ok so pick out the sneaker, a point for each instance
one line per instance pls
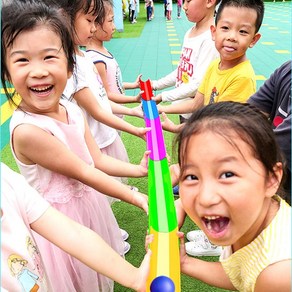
(125, 234)
(196, 236)
(205, 248)
(127, 247)
(135, 189)
(175, 190)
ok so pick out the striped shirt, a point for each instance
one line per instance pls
(272, 245)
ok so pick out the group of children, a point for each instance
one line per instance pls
(59, 232)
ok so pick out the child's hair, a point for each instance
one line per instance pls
(225, 118)
(18, 17)
(101, 17)
(72, 7)
(257, 5)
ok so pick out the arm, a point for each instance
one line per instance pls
(34, 145)
(96, 253)
(164, 82)
(133, 85)
(116, 97)
(169, 125)
(187, 106)
(87, 100)
(119, 109)
(211, 273)
(276, 277)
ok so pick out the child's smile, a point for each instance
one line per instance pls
(38, 69)
(224, 187)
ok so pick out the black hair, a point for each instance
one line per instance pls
(257, 5)
(22, 16)
(101, 17)
(225, 118)
(72, 7)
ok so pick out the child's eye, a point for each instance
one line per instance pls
(21, 60)
(50, 57)
(227, 174)
(191, 177)
(243, 32)
(224, 27)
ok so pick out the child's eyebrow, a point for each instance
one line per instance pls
(25, 51)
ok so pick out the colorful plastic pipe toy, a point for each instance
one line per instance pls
(165, 263)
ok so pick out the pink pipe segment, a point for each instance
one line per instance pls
(155, 140)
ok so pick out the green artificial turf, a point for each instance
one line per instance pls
(133, 30)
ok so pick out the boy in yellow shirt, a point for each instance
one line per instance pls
(230, 77)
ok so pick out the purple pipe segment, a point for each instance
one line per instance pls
(155, 140)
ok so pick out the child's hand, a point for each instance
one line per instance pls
(160, 108)
(137, 111)
(149, 239)
(182, 248)
(144, 163)
(141, 132)
(180, 213)
(166, 123)
(139, 96)
(174, 173)
(157, 98)
(140, 200)
(143, 272)
(137, 81)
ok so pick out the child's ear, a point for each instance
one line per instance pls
(255, 39)
(213, 30)
(274, 179)
(69, 74)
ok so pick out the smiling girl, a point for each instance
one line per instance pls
(231, 170)
(51, 141)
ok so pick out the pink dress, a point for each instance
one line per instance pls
(73, 198)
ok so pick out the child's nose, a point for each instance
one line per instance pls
(93, 28)
(231, 36)
(208, 195)
(39, 71)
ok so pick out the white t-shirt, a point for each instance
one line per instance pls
(86, 75)
(197, 54)
(21, 264)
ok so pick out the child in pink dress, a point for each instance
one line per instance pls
(52, 143)
(23, 211)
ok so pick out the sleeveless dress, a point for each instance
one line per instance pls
(73, 198)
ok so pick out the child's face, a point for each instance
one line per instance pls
(224, 189)
(235, 33)
(38, 68)
(84, 26)
(195, 9)
(105, 32)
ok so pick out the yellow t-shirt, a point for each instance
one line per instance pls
(271, 246)
(234, 84)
